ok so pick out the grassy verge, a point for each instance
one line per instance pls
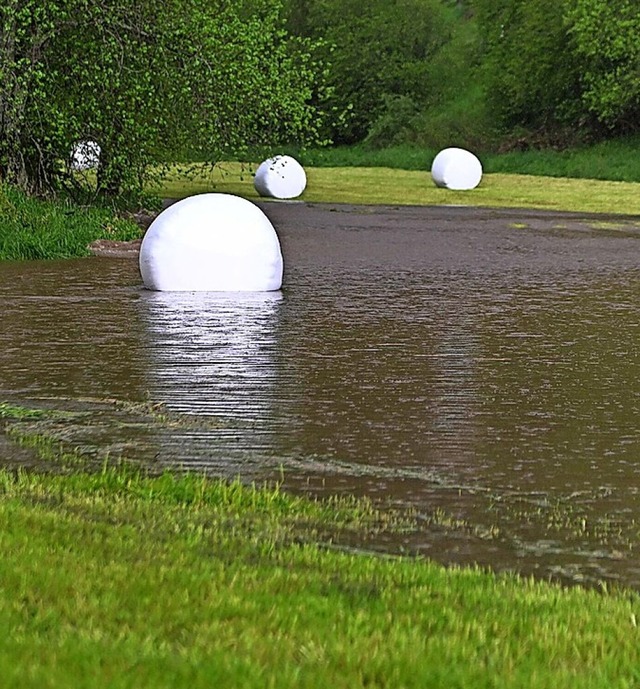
(34, 229)
(381, 185)
(115, 579)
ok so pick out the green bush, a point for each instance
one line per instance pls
(530, 78)
(605, 39)
(614, 160)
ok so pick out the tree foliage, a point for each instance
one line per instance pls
(562, 67)
(381, 56)
(530, 79)
(145, 79)
(151, 79)
(606, 41)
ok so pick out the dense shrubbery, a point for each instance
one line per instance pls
(606, 39)
(562, 71)
(483, 73)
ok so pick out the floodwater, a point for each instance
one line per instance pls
(480, 367)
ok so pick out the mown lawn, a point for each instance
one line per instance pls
(380, 185)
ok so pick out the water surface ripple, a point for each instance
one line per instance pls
(478, 366)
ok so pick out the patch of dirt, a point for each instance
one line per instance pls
(109, 247)
(114, 249)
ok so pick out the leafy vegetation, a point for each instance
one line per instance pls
(486, 74)
(386, 61)
(35, 229)
(144, 80)
(606, 39)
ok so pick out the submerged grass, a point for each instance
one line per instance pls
(117, 578)
(380, 185)
(15, 412)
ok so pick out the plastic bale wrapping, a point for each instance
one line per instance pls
(211, 242)
(457, 169)
(85, 155)
(281, 177)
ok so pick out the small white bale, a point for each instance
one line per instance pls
(85, 155)
(456, 168)
(281, 177)
(213, 243)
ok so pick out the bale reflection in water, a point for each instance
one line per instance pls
(439, 359)
(214, 355)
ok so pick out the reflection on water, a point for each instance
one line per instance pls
(487, 378)
(214, 355)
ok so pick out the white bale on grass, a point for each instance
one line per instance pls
(211, 242)
(456, 168)
(85, 155)
(280, 177)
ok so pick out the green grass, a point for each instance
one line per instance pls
(115, 579)
(380, 185)
(36, 229)
(613, 160)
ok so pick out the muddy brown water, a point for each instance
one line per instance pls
(478, 366)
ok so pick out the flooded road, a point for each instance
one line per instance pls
(478, 366)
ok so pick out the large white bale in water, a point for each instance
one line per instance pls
(214, 243)
(281, 177)
(456, 168)
(85, 155)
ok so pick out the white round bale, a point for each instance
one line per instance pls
(281, 177)
(456, 168)
(85, 155)
(214, 243)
